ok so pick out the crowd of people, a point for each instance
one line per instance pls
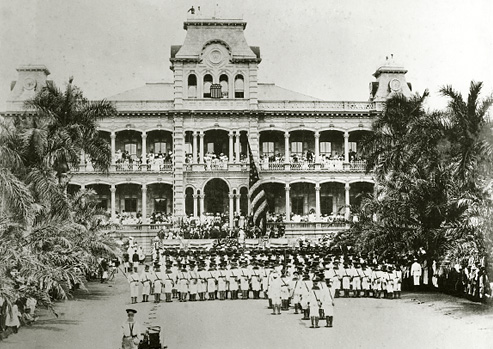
(305, 161)
(152, 161)
(213, 161)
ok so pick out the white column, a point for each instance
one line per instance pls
(144, 204)
(201, 157)
(230, 155)
(113, 201)
(194, 147)
(286, 148)
(82, 187)
(144, 148)
(346, 146)
(195, 205)
(317, 201)
(317, 147)
(238, 201)
(201, 196)
(113, 147)
(348, 210)
(288, 203)
(238, 147)
(231, 203)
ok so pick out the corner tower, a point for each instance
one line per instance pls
(391, 79)
(30, 80)
(215, 63)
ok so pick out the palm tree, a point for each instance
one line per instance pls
(71, 127)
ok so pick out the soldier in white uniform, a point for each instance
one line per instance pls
(202, 283)
(256, 282)
(416, 272)
(346, 279)
(169, 282)
(134, 281)
(357, 278)
(275, 293)
(183, 283)
(221, 282)
(296, 291)
(366, 280)
(314, 305)
(194, 287)
(233, 281)
(157, 281)
(304, 292)
(327, 304)
(211, 282)
(146, 284)
(244, 281)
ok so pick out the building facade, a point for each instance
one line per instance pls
(182, 148)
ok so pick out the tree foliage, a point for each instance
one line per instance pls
(433, 179)
(50, 238)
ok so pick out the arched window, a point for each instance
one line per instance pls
(239, 86)
(223, 80)
(192, 86)
(207, 86)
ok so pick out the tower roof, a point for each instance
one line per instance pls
(389, 66)
(202, 32)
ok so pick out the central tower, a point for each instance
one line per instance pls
(215, 62)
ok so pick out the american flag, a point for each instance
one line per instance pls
(257, 196)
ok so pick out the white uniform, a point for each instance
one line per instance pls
(134, 281)
(145, 278)
(131, 333)
(416, 273)
(157, 281)
(168, 282)
(327, 300)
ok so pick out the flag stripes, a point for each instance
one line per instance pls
(257, 195)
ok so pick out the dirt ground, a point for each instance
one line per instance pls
(418, 320)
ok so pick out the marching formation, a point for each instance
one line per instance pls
(308, 280)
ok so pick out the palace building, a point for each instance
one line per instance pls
(182, 148)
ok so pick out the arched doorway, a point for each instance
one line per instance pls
(189, 201)
(302, 198)
(216, 196)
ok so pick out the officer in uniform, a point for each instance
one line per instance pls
(169, 284)
(131, 331)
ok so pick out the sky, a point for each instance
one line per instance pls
(328, 49)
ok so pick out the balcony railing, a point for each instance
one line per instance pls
(328, 166)
(144, 228)
(117, 168)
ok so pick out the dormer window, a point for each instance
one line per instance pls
(192, 86)
(223, 80)
(207, 86)
(239, 86)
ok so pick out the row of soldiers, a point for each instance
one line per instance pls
(208, 277)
